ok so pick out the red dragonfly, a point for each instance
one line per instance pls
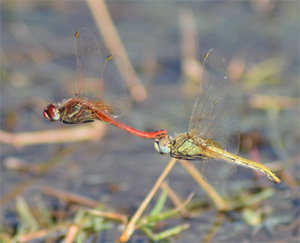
(100, 91)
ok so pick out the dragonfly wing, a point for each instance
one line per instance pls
(98, 80)
(113, 78)
(212, 116)
(89, 65)
(223, 128)
(215, 170)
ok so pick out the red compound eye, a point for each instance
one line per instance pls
(51, 112)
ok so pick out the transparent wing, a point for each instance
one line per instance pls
(212, 116)
(89, 65)
(215, 170)
(97, 80)
(113, 78)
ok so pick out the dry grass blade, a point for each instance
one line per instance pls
(219, 202)
(33, 48)
(109, 215)
(91, 132)
(69, 197)
(74, 227)
(162, 216)
(289, 179)
(175, 199)
(113, 42)
(13, 163)
(131, 225)
(43, 169)
(190, 65)
(71, 234)
(266, 102)
(33, 236)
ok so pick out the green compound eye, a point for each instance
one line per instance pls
(162, 145)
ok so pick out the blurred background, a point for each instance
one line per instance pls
(165, 43)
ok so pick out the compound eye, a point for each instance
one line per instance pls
(162, 145)
(51, 113)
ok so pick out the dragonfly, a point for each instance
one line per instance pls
(212, 137)
(100, 90)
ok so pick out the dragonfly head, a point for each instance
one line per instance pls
(161, 145)
(51, 112)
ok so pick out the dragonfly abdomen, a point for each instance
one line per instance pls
(229, 157)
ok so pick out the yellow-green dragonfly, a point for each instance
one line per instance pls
(212, 138)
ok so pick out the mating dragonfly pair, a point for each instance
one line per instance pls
(100, 94)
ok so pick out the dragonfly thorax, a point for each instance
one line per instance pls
(75, 111)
